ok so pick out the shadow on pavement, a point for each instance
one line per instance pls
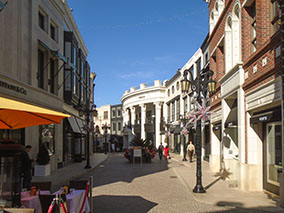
(117, 168)
(117, 204)
(239, 207)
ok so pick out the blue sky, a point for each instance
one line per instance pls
(132, 42)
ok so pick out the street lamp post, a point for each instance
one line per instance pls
(89, 111)
(202, 84)
(105, 127)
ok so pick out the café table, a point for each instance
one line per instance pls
(74, 201)
(32, 202)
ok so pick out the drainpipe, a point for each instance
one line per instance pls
(281, 173)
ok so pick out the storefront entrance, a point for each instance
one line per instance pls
(272, 159)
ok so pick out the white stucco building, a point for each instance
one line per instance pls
(143, 111)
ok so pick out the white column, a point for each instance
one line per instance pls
(158, 106)
(143, 120)
(132, 118)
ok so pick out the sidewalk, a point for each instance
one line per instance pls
(63, 175)
(218, 191)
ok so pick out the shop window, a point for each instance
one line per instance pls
(46, 134)
(17, 135)
(169, 113)
(53, 31)
(173, 111)
(273, 152)
(274, 16)
(252, 12)
(178, 85)
(114, 127)
(105, 115)
(41, 75)
(178, 108)
(42, 19)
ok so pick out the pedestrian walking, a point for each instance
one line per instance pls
(160, 150)
(166, 151)
(27, 168)
(190, 150)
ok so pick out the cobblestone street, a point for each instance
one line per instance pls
(121, 187)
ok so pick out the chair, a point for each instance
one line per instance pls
(18, 210)
(46, 200)
(42, 185)
(78, 184)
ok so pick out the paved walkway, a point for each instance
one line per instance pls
(218, 191)
(62, 176)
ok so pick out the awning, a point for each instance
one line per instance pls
(81, 125)
(232, 119)
(16, 114)
(274, 115)
(217, 127)
(74, 125)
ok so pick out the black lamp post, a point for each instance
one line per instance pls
(105, 127)
(202, 84)
(184, 121)
(89, 111)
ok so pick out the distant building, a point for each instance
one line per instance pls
(116, 120)
(143, 112)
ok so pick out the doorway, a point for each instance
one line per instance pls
(272, 149)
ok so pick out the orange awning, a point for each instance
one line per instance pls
(15, 115)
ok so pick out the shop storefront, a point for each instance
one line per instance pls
(270, 121)
(74, 140)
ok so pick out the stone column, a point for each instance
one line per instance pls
(158, 107)
(132, 118)
(143, 120)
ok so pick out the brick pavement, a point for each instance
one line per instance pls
(218, 191)
(63, 175)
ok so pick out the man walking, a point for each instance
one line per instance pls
(190, 150)
(27, 168)
(160, 150)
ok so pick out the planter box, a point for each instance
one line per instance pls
(42, 170)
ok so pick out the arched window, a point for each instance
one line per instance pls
(236, 35)
(228, 44)
(173, 89)
(177, 85)
(211, 21)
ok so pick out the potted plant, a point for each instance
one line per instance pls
(148, 151)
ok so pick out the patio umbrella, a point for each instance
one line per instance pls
(15, 115)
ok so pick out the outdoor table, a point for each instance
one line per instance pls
(75, 200)
(32, 202)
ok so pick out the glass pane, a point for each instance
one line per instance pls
(274, 150)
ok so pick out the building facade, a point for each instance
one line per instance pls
(35, 60)
(116, 120)
(143, 112)
(246, 124)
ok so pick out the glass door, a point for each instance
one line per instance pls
(272, 156)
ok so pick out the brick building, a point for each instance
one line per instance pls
(245, 54)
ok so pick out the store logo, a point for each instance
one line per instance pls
(13, 87)
(264, 118)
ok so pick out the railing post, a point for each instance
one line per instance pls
(91, 194)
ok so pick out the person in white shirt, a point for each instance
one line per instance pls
(190, 150)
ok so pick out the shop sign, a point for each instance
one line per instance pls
(13, 87)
